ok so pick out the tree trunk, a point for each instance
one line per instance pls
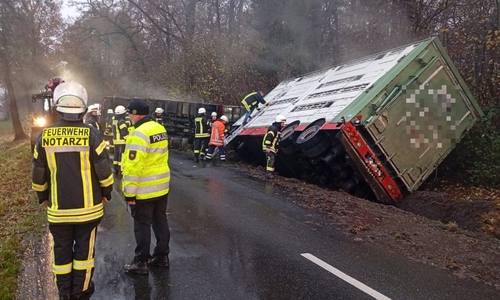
(14, 114)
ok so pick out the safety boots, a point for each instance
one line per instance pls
(160, 261)
(137, 267)
(269, 175)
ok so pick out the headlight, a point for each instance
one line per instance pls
(40, 121)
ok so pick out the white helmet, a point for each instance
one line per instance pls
(214, 114)
(71, 98)
(202, 110)
(280, 118)
(120, 110)
(224, 118)
(159, 110)
(109, 111)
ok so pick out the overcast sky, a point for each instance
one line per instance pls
(67, 11)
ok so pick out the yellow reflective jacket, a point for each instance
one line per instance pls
(146, 174)
(71, 170)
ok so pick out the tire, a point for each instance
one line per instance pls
(318, 149)
(288, 137)
(310, 137)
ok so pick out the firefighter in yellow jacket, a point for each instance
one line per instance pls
(270, 144)
(146, 180)
(72, 177)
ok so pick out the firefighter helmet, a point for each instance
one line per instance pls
(120, 110)
(159, 110)
(70, 100)
(214, 114)
(109, 111)
(202, 110)
(280, 119)
(224, 118)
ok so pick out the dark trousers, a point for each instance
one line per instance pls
(270, 159)
(117, 158)
(200, 146)
(147, 214)
(222, 152)
(73, 255)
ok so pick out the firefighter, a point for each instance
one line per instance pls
(201, 135)
(213, 118)
(92, 118)
(146, 179)
(159, 117)
(72, 178)
(120, 133)
(270, 144)
(251, 102)
(109, 122)
(217, 139)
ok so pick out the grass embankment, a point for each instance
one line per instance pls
(20, 215)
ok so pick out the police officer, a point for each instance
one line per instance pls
(201, 134)
(270, 144)
(146, 179)
(72, 177)
(120, 133)
(251, 102)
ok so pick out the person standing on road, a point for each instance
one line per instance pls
(72, 178)
(217, 139)
(251, 102)
(201, 135)
(146, 180)
(270, 144)
(120, 133)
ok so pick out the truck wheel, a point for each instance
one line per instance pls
(288, 137)
(310, 137)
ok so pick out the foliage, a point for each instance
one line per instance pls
(20, 214)
(476, 159)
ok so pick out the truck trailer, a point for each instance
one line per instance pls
(375, 127)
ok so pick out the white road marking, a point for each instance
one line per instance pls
(345, 277)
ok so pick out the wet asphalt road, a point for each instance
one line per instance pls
(234, 237)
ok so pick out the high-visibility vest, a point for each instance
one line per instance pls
(146, 174)
(71, 170)
(217, 137)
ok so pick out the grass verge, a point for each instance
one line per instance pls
(20, 215)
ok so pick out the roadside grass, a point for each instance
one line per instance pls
(21, 217)
(5, 125)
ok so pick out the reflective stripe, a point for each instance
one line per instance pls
(66, 149)
(39, 187)
(74, 211)
(107, 182)
(88, 274)
(35, 152)
(146, 178)
(146, 149)
(140, 135)
(51, 161)
(62, 269)
(76, 219)
(100, 148)
(140, 190)
(83, 264)
(85, 171)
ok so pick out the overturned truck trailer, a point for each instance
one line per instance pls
(377, 126)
